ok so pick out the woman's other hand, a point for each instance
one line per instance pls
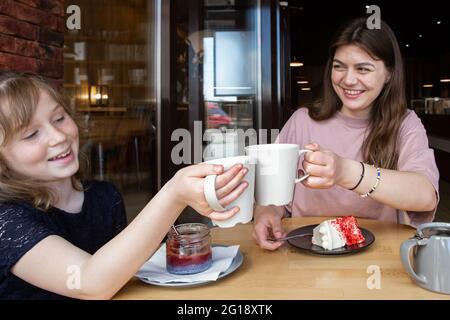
(267, 224)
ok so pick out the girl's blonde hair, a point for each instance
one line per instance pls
(19, 96)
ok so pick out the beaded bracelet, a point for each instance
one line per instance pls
(375, 186)
(360, 179)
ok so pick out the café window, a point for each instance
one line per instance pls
(109, 81)
(216, 52)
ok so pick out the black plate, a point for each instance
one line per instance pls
(305, 242)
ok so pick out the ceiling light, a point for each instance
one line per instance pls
(427, 86)
(445, 80)
(305, 89)
(296, 63)
(302, 82)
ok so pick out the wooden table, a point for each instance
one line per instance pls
(292, 274)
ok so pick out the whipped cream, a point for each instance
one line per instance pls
(327, 236)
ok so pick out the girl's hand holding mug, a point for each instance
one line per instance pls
(188, 188)
(323, 166)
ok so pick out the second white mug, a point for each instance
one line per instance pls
(276, 172)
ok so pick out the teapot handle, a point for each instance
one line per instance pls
(432, 225)
(405, 251)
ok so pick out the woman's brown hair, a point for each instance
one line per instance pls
(19, 96)
(380, 146)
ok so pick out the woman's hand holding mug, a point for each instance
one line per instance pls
(323, 166)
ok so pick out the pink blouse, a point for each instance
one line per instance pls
(344, 136)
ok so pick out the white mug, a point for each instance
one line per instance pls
(245, 201)
(276, 172)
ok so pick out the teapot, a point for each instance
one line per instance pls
(430, 264)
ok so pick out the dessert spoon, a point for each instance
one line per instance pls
(289, 237)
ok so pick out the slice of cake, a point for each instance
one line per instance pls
(336, 233)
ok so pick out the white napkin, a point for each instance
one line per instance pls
(155, 268)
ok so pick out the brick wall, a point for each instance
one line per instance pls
(32, 37)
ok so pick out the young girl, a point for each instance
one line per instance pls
(371, 153)
(54, 225)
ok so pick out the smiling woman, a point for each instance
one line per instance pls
(357, 79)
(371, 153)
(381, 86)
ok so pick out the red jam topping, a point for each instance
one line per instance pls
(349, 230)
(177, 260)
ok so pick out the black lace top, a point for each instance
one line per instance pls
(21, 227)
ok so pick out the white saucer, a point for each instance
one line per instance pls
(236, 263)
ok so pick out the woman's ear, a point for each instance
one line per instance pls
(388, 76)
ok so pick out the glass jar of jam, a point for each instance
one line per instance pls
(189, 251)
